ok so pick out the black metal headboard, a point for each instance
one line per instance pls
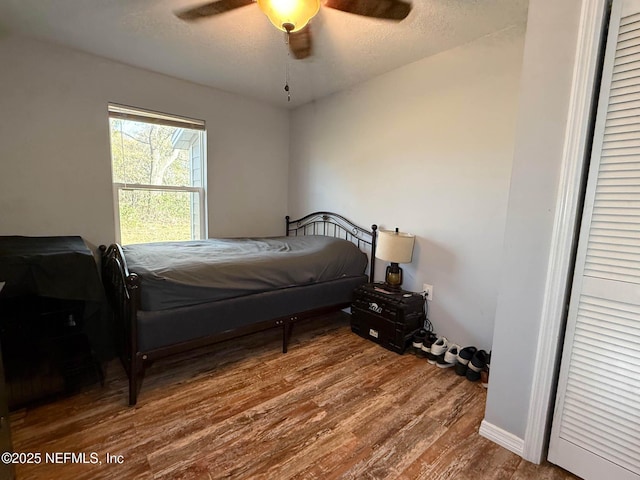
(333, 225)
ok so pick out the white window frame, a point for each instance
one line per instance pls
(148, 116)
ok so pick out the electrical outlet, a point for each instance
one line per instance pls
(428, 291)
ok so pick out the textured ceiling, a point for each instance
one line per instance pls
(240, 51)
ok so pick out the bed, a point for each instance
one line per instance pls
(172, 297)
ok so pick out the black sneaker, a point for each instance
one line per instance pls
(476, 365)
(417, 340)
(426, 345)
(464, 357)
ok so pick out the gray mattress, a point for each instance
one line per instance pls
(180, 274)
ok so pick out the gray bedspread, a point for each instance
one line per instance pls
(177, 274)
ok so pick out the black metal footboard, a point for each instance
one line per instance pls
(123, 293)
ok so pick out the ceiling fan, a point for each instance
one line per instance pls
(292, 16)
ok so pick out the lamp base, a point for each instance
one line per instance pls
(393, 276)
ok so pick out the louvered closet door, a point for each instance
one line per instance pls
(596, 424)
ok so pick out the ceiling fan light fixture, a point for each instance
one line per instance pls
(289, 15)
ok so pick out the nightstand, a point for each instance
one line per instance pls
(386, 316)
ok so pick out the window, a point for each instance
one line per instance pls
(158, 164)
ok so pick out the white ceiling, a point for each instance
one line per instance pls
(240, 51)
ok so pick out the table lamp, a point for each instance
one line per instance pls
(395, 247)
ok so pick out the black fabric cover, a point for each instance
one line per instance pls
(61, 268)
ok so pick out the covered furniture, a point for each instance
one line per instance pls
(54, 322)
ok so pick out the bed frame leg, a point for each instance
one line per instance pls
(136, 373)
(133, 389)
(287, 329)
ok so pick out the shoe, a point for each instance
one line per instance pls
(476, 365)
(439, 347)
(484, 374)
(426, 344)
(448, 359)
(417, 340)
(484, 377)
(464, 356)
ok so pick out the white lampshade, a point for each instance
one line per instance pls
(395, 247)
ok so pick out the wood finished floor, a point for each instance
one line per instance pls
(335, 407)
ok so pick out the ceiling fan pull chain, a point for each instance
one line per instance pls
(286, 78)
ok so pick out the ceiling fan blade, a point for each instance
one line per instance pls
(300, 42)
(211, 8)
(385, 9)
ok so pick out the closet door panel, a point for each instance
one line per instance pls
(596, 424)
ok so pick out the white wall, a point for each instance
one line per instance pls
(426, 148)
(55, 173)
(548, 64)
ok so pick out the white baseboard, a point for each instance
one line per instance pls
(502, 438)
